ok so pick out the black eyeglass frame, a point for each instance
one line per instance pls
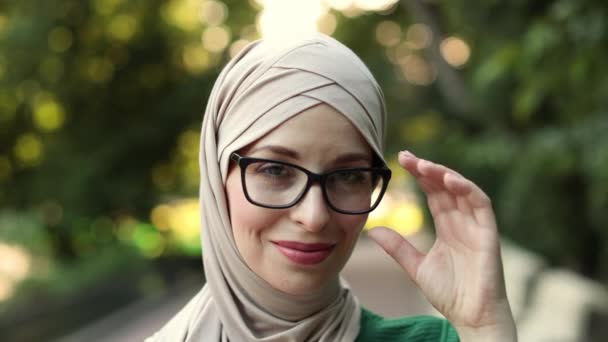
(313, 178)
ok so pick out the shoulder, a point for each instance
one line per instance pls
(414, 328)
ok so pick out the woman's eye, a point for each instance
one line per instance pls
(275, 170)
(350, 177)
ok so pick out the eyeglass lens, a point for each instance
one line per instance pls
(275, 184)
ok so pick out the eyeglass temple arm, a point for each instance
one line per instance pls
(235, 157)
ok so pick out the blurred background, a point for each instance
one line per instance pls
(101, 103)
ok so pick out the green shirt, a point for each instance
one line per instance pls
(406, 329)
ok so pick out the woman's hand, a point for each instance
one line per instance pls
(461, 275)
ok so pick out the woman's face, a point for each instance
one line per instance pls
(278, 244)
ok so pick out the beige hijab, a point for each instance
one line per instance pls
(258, 90)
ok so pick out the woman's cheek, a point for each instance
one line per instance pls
(248, 220)
(352, 226)
(356, 223)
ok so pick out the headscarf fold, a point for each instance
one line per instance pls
(258, 90)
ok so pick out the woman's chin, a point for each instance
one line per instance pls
(302, 284)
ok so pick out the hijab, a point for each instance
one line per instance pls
(258, 90)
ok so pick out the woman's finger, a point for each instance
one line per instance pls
(448, 190)
(427, 172)
(428, 186)
(472, 200)
(409, 162)
(435, 177)
(463, 187)
(398, 248)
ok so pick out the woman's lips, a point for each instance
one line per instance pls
(304, 253)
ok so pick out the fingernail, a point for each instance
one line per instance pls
(407, 153)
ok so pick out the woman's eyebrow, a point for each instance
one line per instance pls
(353, 157)
(289, 153)
(280, 150)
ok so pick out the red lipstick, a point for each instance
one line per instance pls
(304, 253)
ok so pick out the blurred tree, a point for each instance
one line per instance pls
(94, 96)
(534, 135)
(101, 103)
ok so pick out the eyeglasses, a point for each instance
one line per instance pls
(276, 184)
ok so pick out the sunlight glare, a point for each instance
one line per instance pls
(15, 265)
(375, 5)
(282, 22)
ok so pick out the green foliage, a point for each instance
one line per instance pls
(101, 102)
(27, 250)
(538, 78)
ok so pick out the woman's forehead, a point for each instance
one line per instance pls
(320, 129)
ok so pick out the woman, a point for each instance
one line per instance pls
(291, 164)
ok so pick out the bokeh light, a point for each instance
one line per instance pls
(160, 217)
(399, 209)
(422, 128)
(455, 51)
(148, 240)
(125, 227)
(143, 236)
(195, 58)
(48, 113)
(216, 38)
(15, 265)
(98, 69)
(60, 39)
(213, 13)
(185, 221)
(181, 221)
(188, 144)
(419, 36)
(183, 14)
(397, 54)
(249, 32)
(28, 149)
(327, 23)
(3, 24)
(187, 158)
(106, 7)
(123, 27)
(388, 33)
(417, 71)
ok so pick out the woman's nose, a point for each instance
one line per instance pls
(312, 212)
